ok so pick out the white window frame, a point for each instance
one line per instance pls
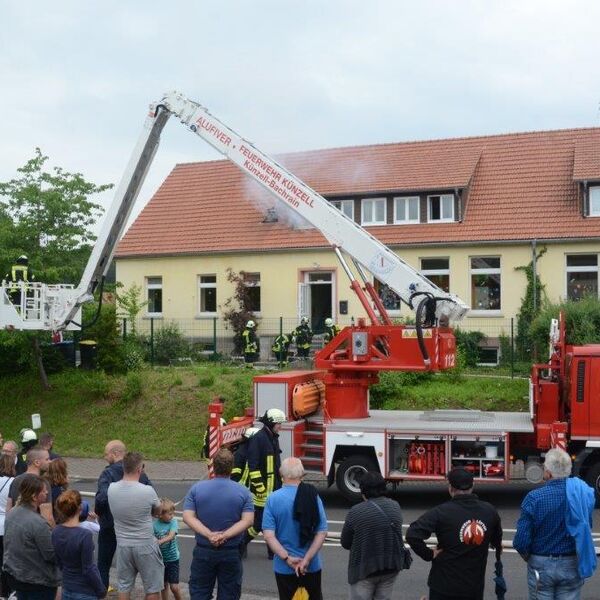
(407, 201)
(154, 286)
(594, 190)
(490, 364)
(374, 202)
(205, 286)
(582, 269)
(393, 312)
(428, 272)
(255, 284)
(342, 205)
(483, 312)
(441, 219)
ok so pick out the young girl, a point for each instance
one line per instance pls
(165, 529)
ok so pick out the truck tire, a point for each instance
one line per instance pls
(348, 474)
(592, 478)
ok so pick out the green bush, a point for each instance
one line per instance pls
(133, 354)
(133, 388)
(392, 383)
(468, 342)
(169, 344)
(15, 352)
(105, 332)
(206, 379)
(582, 321)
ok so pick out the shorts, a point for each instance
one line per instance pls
(145, 560)
(172, 571)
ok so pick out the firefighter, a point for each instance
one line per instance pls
(251, 343)
(263, 467)
(281, 346)
(331, 330)
(19, 272)
(28, 441)
(239, 472)
(303, 335)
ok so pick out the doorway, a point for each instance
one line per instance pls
(316, 298)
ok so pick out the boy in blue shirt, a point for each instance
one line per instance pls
(165, 530)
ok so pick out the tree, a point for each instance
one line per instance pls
(237, 308)
(48, 216)
(130, 305)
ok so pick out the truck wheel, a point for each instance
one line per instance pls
(592, 478)
(348, 475)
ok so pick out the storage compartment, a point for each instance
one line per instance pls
(416, 457)
(485, 457)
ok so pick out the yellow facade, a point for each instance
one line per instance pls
(282, 272)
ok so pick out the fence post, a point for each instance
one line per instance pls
(281, 338)
(124, 328)
(152, 341)
(512, 347)
(214, 338)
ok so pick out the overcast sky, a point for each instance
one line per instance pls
(77, 77)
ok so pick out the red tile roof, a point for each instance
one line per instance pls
(521, 186)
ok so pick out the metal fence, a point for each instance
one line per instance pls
(212, 338)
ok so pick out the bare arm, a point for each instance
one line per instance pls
(277, 548)
(311, 552)
(46, 512)
(9, 504)
(195, 524)
(167, 538)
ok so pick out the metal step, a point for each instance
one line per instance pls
(312, 460)
(313, 433)
(313, 447)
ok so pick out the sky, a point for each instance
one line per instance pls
(77, 77)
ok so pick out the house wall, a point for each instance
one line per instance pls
(282, 271)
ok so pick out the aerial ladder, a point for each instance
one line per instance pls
(57, 307)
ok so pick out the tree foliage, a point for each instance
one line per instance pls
(237, 308)
(130, 305)
(529, 309)
(48, 215)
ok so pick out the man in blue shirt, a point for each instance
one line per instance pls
(219, 511)
(295, 527)
(542, 536)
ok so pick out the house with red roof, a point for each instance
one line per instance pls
(466, 212)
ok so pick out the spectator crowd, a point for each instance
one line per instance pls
(47, 530)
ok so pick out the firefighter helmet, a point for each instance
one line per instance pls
(274, 416)
(22, 260)
(28, 435)
(304, 321)
(328, 322)
(250, 324)
(250, 431)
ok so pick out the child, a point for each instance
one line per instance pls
(165, 529)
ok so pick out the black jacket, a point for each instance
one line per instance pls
(465, 527)
(264, 461)
(111, 473)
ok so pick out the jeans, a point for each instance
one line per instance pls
(379, 587)
(557, 578)
(223, 565)
(66, 595)
(45, 594)
(107, 544)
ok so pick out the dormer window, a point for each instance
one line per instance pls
(440, 208)
(373, 211)
(345, 206)
(406, 210)
(595, 201)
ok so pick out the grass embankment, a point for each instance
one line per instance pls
(162, 412)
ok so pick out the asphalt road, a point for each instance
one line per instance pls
(414, 499)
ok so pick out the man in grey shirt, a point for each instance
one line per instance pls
(132, 505)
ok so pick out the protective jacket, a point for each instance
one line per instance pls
(330, 333)
(239, 472)
(281, 343)
(304, 335)
(251, 343)
(20, 273)
(263, 464)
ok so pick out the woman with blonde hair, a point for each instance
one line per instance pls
(29, 558)
(74, 549)
(57, 477)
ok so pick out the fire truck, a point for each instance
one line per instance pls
(330, 426)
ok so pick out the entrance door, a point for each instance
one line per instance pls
(319, 305)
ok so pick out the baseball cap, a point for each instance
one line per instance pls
(460, 479)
